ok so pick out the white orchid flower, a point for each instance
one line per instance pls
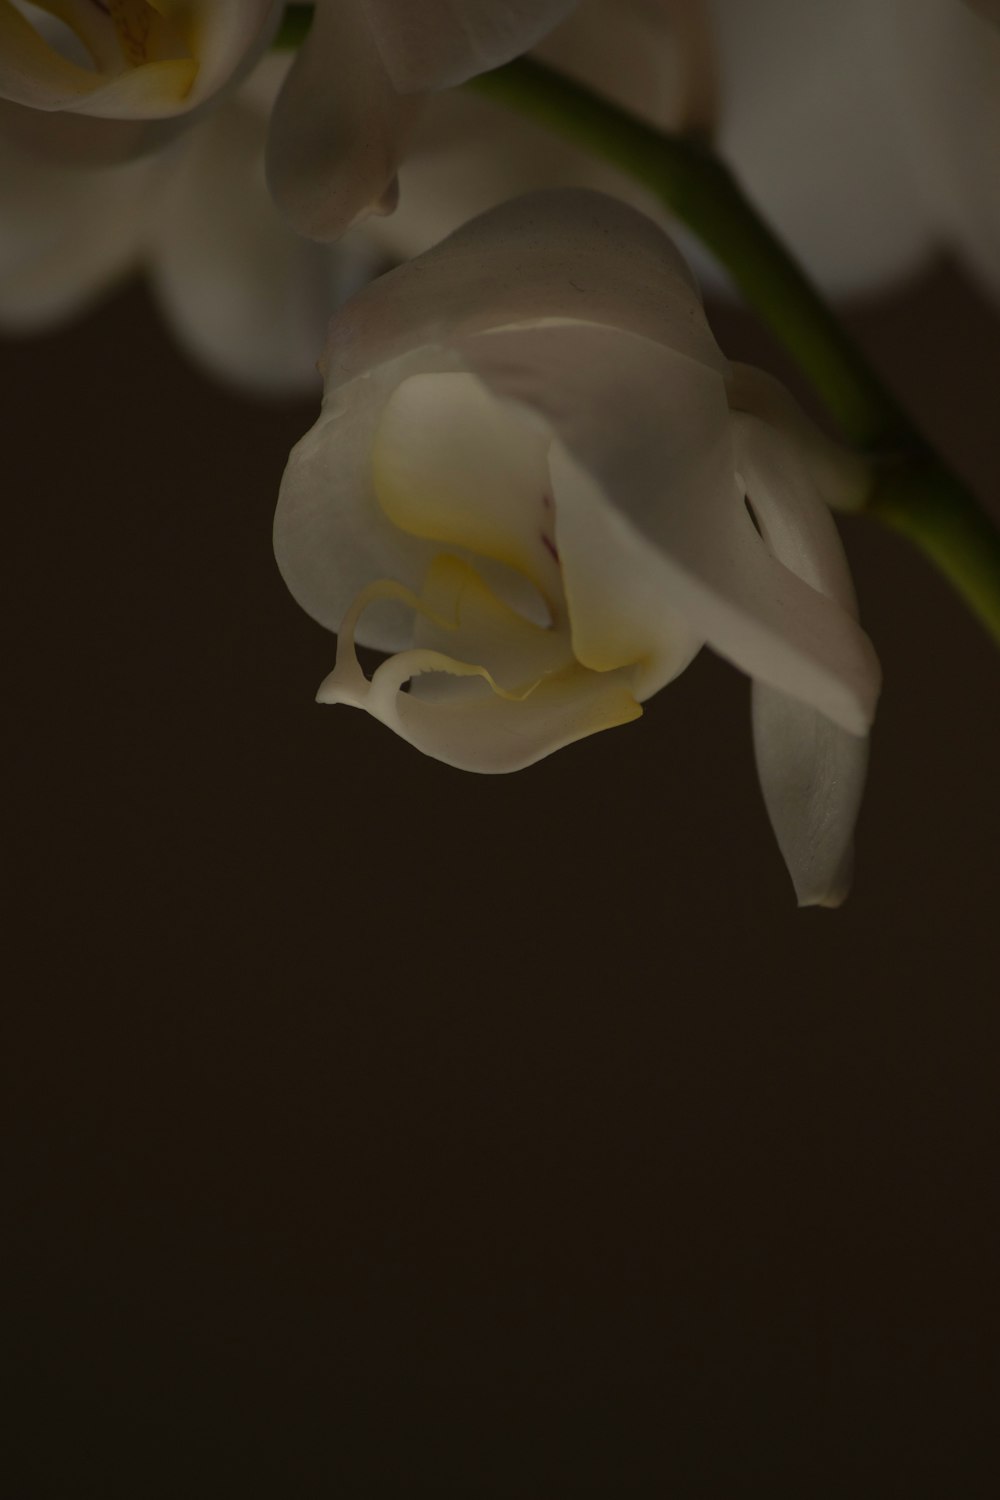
(529, 482)
(244, 294)
(89, 71)
(358, 84)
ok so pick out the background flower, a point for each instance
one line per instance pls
(245, 295)
(357, 86)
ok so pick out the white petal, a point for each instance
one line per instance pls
(810, 127)
(338, 126)
(812, 774)
(649, 434)
(67, 233)
(812, 771)
(435, 44)
(549, 255)
(247, 296)
(183, 59)
(331, 536)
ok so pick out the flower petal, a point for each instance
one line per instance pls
(436, 44)
(648, 433)
(812, 774)
(170, 58)
(812, 771)
(563, 254)
(809, 125)
(337, 129)
(245, 294)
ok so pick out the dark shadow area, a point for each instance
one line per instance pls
(371, 1129)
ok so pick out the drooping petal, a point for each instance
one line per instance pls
(811, 770)
(649, 435)
(331, 536)
(467, 153)
(338, 127)
(246, 295)
(436, 44)
(812, 774)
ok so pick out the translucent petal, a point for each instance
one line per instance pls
(435, 44)
(171, 57)
(809, 124)
(337, 129)
(812, 771)
(564, 254)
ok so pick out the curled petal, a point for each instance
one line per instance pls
(502, 730)
(67, 234)
(243, 292)
(805, 91)
(841, 476)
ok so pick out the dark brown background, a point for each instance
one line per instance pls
(373, 1129)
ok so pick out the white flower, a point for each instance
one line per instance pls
(867, 131)
(244, 294)
(358, 84)
(87, 84)
(528, 482)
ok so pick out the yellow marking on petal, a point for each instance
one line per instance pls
(499, 511)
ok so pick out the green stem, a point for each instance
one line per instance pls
(925, 501)
(915, 492)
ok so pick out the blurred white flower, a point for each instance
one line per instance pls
(243, 293)
(867, 131)
(357, 87)
(529, 481)
(104, 81)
